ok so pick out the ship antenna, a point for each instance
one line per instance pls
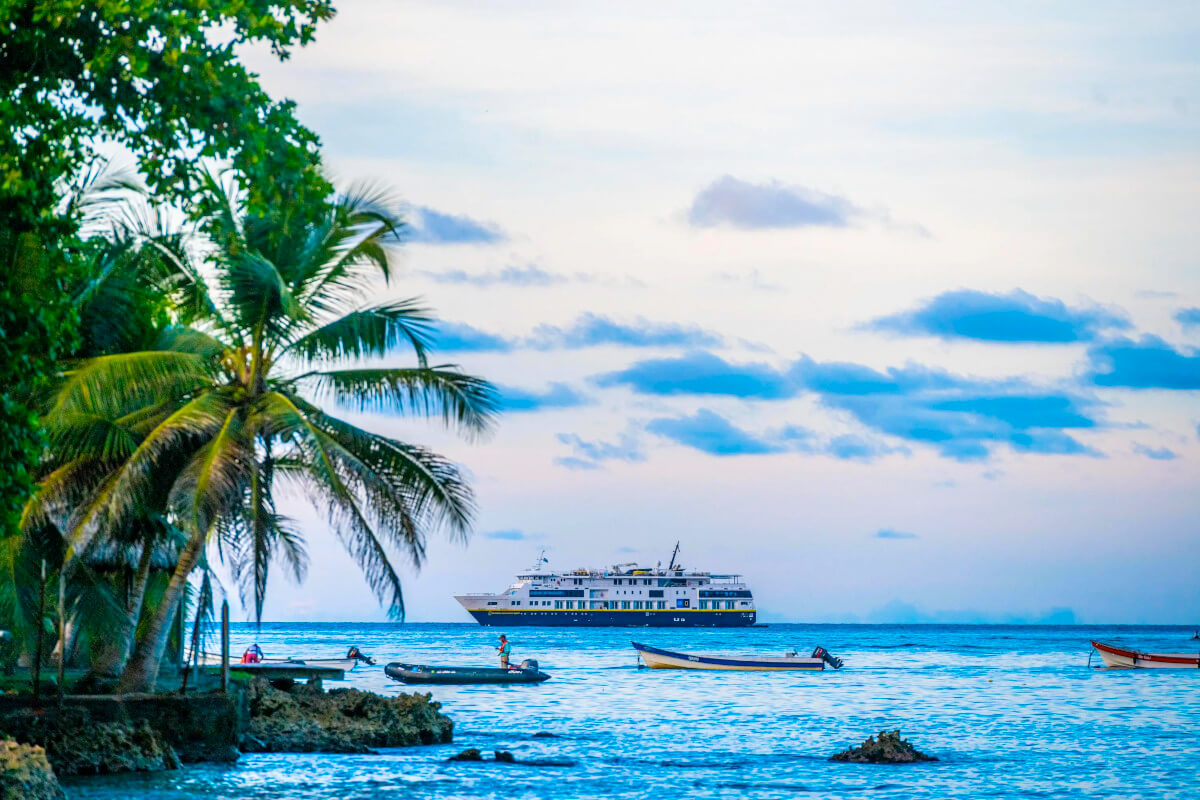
(541, 559)
(674, 553)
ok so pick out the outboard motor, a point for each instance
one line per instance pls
(359, 655)
(530, 664)
(827, 657)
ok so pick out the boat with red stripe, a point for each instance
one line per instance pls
(1122, 657)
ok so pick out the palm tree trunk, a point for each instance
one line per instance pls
(110, 658)
(141, 671)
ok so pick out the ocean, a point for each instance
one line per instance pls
(1010, 712)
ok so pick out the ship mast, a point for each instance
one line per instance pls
(674, 554)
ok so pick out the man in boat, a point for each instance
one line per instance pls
(505, 650)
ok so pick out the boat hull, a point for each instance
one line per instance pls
(460, 676)
(656, 658)
(1123, 658)
(613, 618)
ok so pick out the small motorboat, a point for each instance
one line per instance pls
(254, 656)
(1121, 657)
(656, 658)
(526, 672)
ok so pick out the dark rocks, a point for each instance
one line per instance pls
(77, 744)
(306, 720)
(889, 748)
(26, 774)
(545, 735)
(470, 754)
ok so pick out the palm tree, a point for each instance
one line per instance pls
(206, 423)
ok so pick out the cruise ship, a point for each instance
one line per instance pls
(625, 595)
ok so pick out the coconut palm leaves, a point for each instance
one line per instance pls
(220, 413)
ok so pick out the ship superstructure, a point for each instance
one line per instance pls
(625, 595)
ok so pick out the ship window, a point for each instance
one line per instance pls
(516, 602)
(703, 605)
(729, 604)
(745, 604)
(491, 602)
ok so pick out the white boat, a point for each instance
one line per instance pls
(1123, 658)
(624, 595)
(657, 658)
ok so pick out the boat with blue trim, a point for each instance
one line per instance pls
(657, 658)
(625, 595)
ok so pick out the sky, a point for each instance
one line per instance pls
(893, 309)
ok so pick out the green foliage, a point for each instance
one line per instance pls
(161, 77)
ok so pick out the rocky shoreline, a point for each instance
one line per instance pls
(305, 720)
(99, 734)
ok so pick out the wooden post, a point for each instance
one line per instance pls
(41, 636)
(224, 645)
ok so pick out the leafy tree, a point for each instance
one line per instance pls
(223, 410)
(160, 77)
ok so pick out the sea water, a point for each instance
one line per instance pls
(1010, 712)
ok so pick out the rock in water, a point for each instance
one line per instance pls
(25, 773)
(889, 748)
(470, 754)
(307, 720)
(505, 757)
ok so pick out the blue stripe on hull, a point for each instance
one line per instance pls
(679, 618)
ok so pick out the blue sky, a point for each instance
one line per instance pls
(894, 309)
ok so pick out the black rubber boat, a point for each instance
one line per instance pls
(527, 672)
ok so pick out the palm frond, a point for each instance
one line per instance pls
(119, 384)
(369, 332)
(461, 400)
(433, 489)
(211, 484)
(123, 491)
(257, 293)
(76, 435)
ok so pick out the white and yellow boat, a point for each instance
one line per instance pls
(656, 658)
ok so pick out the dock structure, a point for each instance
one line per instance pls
(297, 671)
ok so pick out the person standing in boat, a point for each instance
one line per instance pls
(505, 650)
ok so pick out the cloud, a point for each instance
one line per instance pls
(1156, 453)
(733, 202)
(1016, 317)
(891, 534)
(962, 418)
(712, 434)
(701, 373)
(460, 337)
(1149, 363)
(590, 330)
(591, 455)
(1188, 317)
(851, 447)
(438, 228)
(527, 276)
(557, 395)
(509, 535)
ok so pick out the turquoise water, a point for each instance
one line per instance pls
(1012, 712)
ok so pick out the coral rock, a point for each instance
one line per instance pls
(26, 774)
(889, 748)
